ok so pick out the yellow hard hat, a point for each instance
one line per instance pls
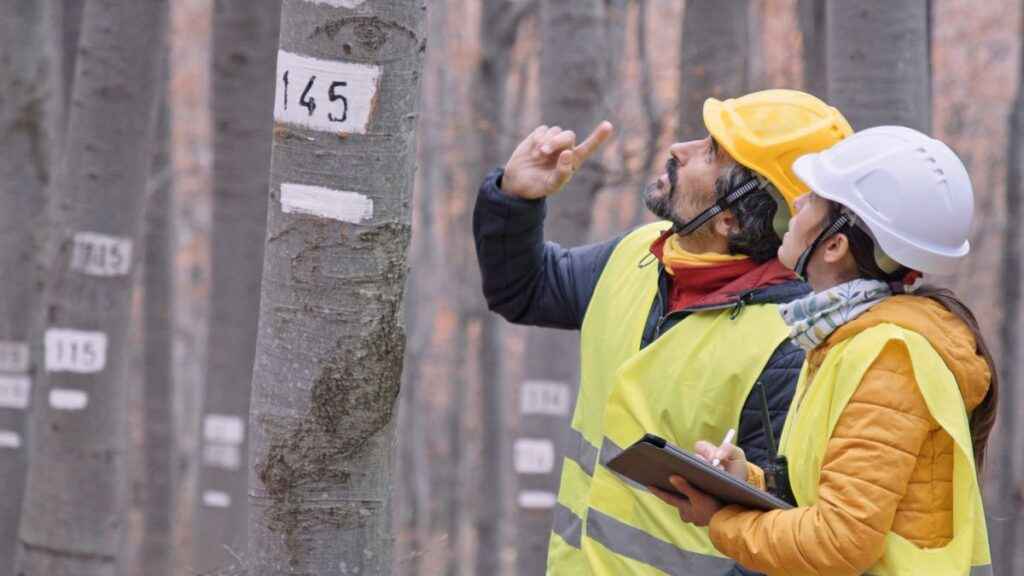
(767, 131)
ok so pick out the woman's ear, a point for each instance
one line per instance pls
(836, 248)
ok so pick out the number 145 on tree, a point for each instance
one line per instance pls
(324, 95)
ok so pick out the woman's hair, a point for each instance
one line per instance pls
(862, 247)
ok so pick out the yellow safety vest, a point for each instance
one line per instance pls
(689, 384)
(817, 409)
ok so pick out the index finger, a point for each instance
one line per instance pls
(600, 135)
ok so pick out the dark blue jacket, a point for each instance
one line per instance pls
(529, 281)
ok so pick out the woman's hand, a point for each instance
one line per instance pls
(696, 508)
(730, 458)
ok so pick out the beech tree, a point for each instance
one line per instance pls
(245, 38)
(330, 342)
(29, 101)
(74, 505)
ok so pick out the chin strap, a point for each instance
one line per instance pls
(720, 205)
(837, 224)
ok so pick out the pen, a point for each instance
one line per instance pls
(728, 438)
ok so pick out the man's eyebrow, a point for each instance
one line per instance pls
(713, 148)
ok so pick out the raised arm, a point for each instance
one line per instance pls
(525, 279)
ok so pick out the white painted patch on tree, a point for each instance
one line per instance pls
(533, 455)
(15, 391)
(77, 351)
(10, 440)
(349, 207)
(216, 499)
(72, 400)
(101, 255)
(223, 429)
(324, 95)
(544, 397)
(226, 456)
(536, 499)
(14, 357)
(339, 3)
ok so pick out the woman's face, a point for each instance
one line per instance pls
(811, 216)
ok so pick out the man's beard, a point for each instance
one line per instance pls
(661, 205)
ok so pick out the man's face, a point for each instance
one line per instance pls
(687, 187)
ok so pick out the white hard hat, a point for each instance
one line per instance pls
(911, 191)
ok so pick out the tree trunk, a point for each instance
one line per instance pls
(74, 503)
(28, 106)
(499, 25)
(811, 17)
(878, 65)
(329, 351)
(1008, 520)
(245, 38)
(573, 51)
(716, 40)
(158, 472)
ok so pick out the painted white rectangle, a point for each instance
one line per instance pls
(101, 255)
(326, 203)
(76, 351)
(10, 440)
(216, 499)
(14, 357)
(339, 3)
(533, 456)
(223, 429)
(325, 95)
(72, 400)
(15, 391)
(226, 456)
(536, 499)
(544, 397)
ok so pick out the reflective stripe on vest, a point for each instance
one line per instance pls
(814, 416)
(687, 385)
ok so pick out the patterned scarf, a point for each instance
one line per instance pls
(815, 317)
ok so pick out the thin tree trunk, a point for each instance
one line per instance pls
(811, 18)
(329, 351)
(716, 40)
(74, 504)
(245, 39)
(499, 25)
(29, 101)
(158, 472)
(1006, 523)
(574, 71)
(879, 66)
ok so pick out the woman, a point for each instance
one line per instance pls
(888, 427)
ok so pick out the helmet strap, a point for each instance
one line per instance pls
(720, 205)
(837, 224)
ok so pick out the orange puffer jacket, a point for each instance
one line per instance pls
(888, 466)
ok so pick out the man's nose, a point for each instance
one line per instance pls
(682, 151)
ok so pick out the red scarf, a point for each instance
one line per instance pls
(692, 284)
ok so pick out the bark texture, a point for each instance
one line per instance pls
(28, 102)
(158, 472)
(330, 344)
(811, 19)
(715, 59)
(575, 63)
(245, 38)
(74, 503)
(1006, 526)
(879, 67)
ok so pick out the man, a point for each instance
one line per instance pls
(680, 332)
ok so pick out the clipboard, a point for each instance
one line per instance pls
(652, 460)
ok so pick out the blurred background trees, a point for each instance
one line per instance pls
(482, 402)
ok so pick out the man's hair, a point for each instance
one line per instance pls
(755, 235)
